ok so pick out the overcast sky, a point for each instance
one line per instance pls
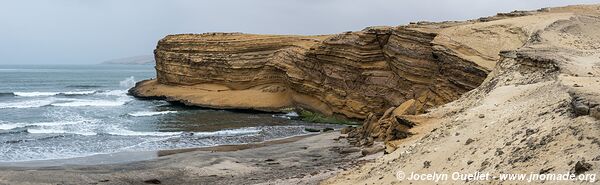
(92, 31)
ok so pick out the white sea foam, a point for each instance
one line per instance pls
(150, 113)
(292, 114)
(128, 82)
(83, 103)
(59, 123)
(288, 115)
(9, 126)
(33, 94)
(78, 92)
(26, 104)
(114, 93)
(93, 103)
(232, 132)
(123, 132)
(58, 131)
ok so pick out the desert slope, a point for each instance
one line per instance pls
(536, 113)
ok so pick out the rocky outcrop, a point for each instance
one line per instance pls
(532, 114)
(351, 74)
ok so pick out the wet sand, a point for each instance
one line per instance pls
(296, 160)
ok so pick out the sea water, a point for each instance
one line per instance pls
(67, 111)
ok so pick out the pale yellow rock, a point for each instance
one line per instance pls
(529, 124)
(408, 107)
(350, 74)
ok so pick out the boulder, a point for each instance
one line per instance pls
(406, 108)
(595, 112)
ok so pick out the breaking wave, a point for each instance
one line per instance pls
(9, 126)
(26, 104)
(135, 133)
(59, 131)
(113, 93)
(150, 113)
(33, 94)
(289, 115)
(128, 82)
(93, 103)
(36, 94)
(62, 102)
(232, 132)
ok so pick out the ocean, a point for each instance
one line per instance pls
(68, 111)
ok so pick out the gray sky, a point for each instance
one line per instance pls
(91, 31)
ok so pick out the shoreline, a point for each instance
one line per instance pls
(234, 147)
(140, 156)
(305, 159)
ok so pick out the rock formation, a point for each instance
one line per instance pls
(536, 112)
(354, 74)
(522, 86)
(350, 74)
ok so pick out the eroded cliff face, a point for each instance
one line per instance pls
(350, 74)
(537, 112)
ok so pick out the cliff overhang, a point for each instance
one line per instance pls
(350, 74)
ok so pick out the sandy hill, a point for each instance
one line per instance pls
(536, 113)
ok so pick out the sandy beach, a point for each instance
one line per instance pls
(305, 159)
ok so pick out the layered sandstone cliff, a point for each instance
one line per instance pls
(537, 113)
(350, 74)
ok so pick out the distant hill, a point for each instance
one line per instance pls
(136, 60)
